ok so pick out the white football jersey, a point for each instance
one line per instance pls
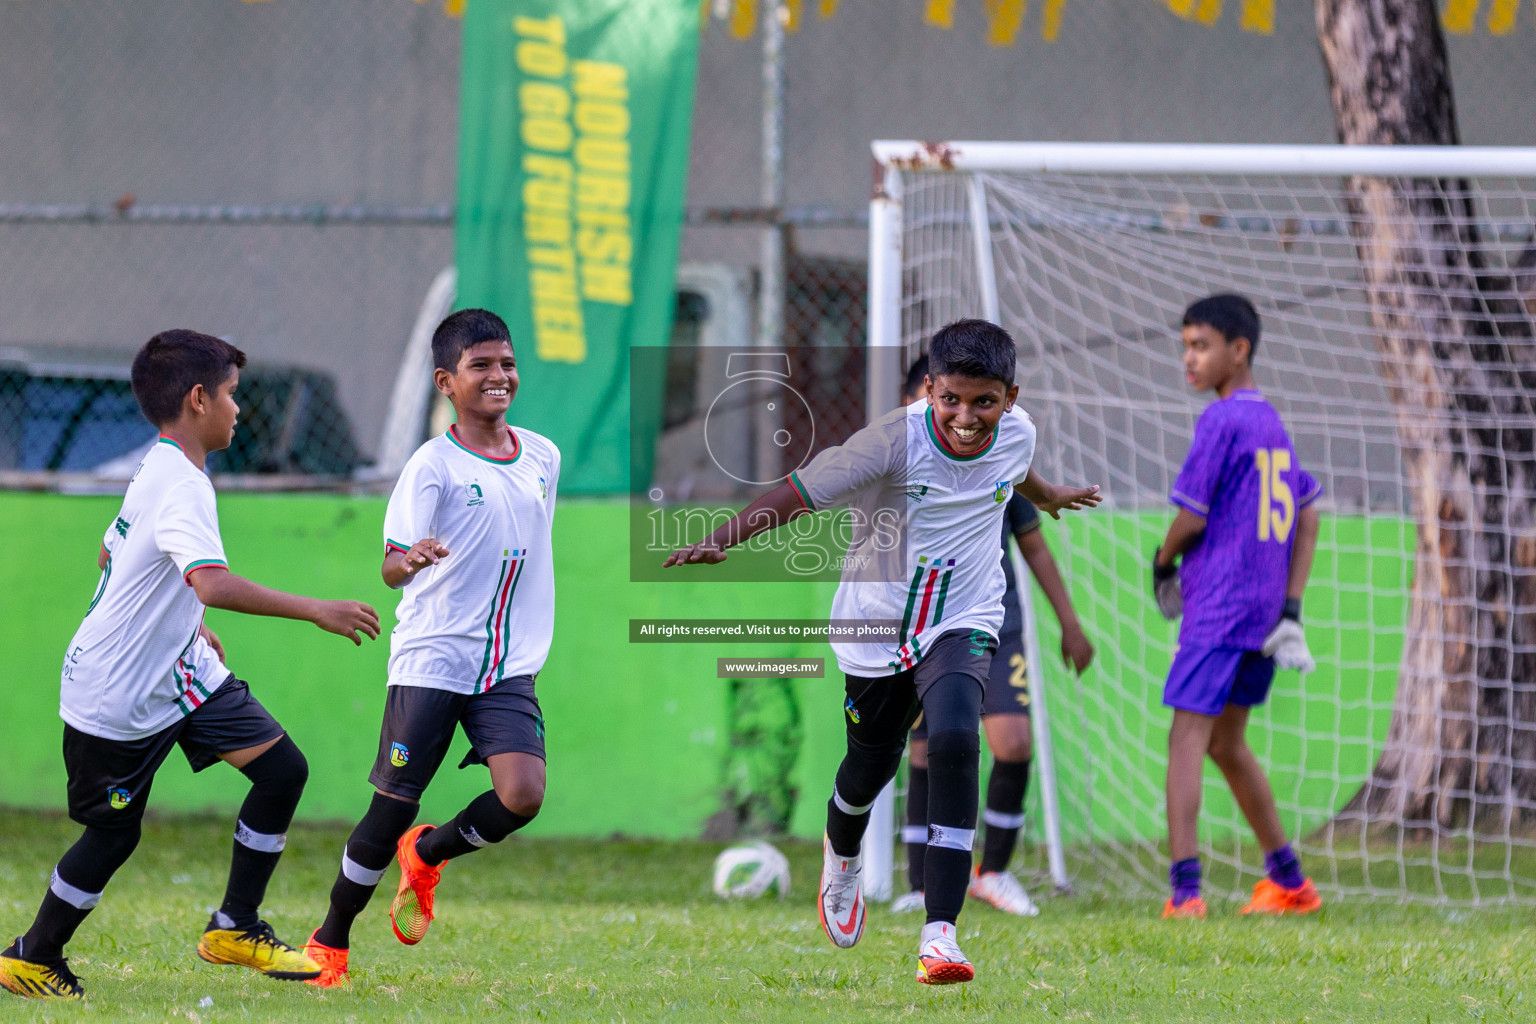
(137, 663)
(950, 569)
(487, 611)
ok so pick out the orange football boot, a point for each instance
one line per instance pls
(1269, 898)
(1192, 907)
(411, 913)
(332, 961)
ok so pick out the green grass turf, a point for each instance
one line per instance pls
(627, 931)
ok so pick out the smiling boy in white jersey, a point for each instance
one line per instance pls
(143, 674)
(953, 462)
(467, 533)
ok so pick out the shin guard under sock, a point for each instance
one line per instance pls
(486, 820)
(954, 765)
(369, 849)
(1004, 813)
(277, 781)
(75, 888)
(914, 834)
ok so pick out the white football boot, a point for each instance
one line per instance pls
(908, 902)
(841, 904)
(1004, 892)
(939, 960)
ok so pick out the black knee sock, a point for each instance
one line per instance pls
(369, 849)
(954, 764)
(77, 884)
(277, 781)
(1004, 815)
(486, 820)
(864, 771)
(914, 835)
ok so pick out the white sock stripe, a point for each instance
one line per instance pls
(355, 872)
(77, 898)
(952, 838)
(997, 819)
(261, 842)
(914, 833)
(846, 807)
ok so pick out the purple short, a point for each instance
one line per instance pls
(1206, 679)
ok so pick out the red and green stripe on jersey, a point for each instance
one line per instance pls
(194, 690)
(925, 607)
(498, 623)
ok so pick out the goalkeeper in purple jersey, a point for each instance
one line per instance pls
(1246, 530)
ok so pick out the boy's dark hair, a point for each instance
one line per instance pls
(1231, 315)
(972, 348)
(172, 363)
(915, 375)
(465, 329)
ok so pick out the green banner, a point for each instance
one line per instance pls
(574, 131)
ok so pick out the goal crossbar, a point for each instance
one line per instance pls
(1158, 158)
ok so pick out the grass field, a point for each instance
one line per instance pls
(627, 931)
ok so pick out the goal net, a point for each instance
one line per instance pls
(1396, 294)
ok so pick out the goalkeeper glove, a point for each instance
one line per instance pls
(1166, 589)
(1286, 643)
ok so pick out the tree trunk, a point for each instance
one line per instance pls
(1456, 350)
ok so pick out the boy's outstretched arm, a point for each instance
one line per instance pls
(1076, 651)
(1056, 498)
(217, 587)
(768, 512)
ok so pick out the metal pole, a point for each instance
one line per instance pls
(770, 320)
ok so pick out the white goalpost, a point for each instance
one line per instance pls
(1397, 287)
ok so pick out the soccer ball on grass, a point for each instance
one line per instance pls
(751, 870)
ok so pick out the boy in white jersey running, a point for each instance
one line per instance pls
(143, 674)
(467, 533)
(952, 462)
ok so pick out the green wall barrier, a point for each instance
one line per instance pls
(639, 734)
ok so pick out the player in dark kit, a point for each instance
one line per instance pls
(143, 675)
(950, 463)
(1246, 528)
(1004, 716)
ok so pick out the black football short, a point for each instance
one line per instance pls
(419, 723)
(1008, 685)
(880, 709)
(109, 780)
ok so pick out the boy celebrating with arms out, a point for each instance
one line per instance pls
(467, 532)
(1246, 529)
(1004, 715)
(143, 675)
(951, 462)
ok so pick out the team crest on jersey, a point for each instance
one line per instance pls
(399, 755)
(1000, 492)
(476, 495)
(917, 492)
(119, 798)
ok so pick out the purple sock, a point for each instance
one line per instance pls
(1284, 868)
(1184, 876)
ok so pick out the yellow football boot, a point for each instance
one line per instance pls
(35, 980)
(257, 948)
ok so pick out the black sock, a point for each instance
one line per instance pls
(1004, 816)
(485, 821)
(915, 834)
(369, 849)
(77, 884)
(277, 781)
(954, 764)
